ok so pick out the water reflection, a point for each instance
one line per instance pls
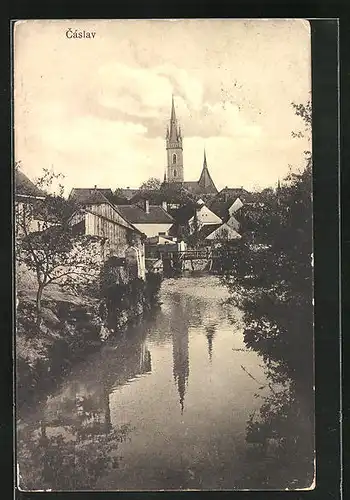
(181, 364)
(183, 400)
(210, 332)
(280, 435)
(73, 444)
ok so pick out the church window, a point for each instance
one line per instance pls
(174, 158)
(175, 173)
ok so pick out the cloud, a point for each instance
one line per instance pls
(99, 114)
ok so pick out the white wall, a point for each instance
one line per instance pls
(236, 205)
(153, 229)
(206, 216)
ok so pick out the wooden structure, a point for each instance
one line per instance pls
(97, 216)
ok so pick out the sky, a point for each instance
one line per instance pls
(96, 109)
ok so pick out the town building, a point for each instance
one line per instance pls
(28, 205)
(152, 220)
(229, 201)
(97, 216)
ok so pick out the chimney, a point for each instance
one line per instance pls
(146, 204)
(165, 206)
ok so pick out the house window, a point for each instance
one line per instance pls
(175, 173)
(174, 159)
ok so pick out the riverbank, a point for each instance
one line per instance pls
(72, 327)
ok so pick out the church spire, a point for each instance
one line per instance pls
(205, 181)
(173, 138)
(205, 161)
(174, 132)
(173, 114)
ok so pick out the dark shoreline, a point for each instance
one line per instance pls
(72, 338)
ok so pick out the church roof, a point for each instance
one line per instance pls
(136, 215)
(192, 186)
(205, 182)
(25, 187)
(91, 196)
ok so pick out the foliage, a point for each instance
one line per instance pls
(175, 193)
(52, 250)
(152, 184)
(119, 197)
(269, 274)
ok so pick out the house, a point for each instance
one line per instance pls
(203, 217)
(196, 215)
(233, 223)
(28, 202)
(223, 233)
(229, 201)
(80, 195)
(97, 216)
(152, 220)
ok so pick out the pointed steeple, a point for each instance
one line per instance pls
(173, 138)
(205, 181)
(173, 115)
(174, 133)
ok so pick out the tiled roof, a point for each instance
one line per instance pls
(91, 196)
(192, 186)
(136, 215)
(127, 193)
(206, 230)
(226, 197)
(224, 232)
(25, 187)
(184, 213)
(220, 208)
(206, 183)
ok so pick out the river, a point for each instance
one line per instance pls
(165, 407)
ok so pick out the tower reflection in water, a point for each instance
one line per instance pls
(210, 333)
(185, 314)
(181, 365)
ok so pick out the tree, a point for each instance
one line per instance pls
(53, 252)
(271, 277)
(119, 197)
(152, 184)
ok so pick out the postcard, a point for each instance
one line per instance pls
(164, 255)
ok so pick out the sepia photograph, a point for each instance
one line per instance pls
(163, 255)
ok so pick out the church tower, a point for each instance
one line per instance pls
(175, 169)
